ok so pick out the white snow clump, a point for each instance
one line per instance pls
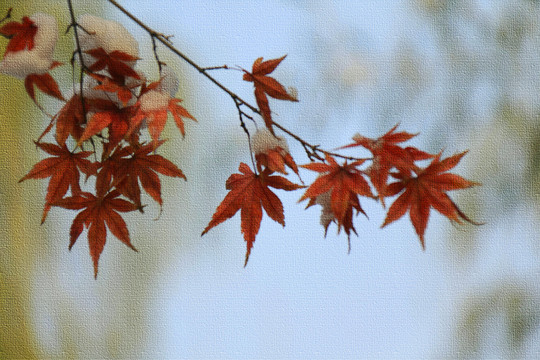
(263, 141)
(154, 100)
(106, 34)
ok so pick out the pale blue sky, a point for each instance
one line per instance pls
(301, 295)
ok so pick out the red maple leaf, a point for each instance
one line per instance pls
(250, 193)
(344, 183)
(387, 155)
(44, 82)
(427, 190)
(115, 62)
(111, 117)
(21, 35)
(275, 160)
(64, 170)
(156, 118)
(109, 168)
(266, 85)
(98, 211)
(70, 119)
(126, 167)
(108, 85)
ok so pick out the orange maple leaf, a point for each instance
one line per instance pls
(98, 211)
(344, 183)
(21, 34)
(266, 85)
(272, 152)
(64, 169)
(250, 193)
(427, 190)
(275, 160)
(111, 117)
(387, 155)
(157, 118)
(109, 85)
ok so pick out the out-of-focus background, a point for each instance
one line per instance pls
(463, 73)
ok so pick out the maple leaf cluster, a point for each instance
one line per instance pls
(339, 187)
(103, 151)
(98, 132)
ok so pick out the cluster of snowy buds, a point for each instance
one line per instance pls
(115, 116)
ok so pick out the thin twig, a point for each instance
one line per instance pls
(156, 56)
(216, 68)
(243, 125)
(315, 149)
(75, 27)
(8, 15)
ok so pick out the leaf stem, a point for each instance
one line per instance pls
(241, 114)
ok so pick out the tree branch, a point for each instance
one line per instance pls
(314, 150)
